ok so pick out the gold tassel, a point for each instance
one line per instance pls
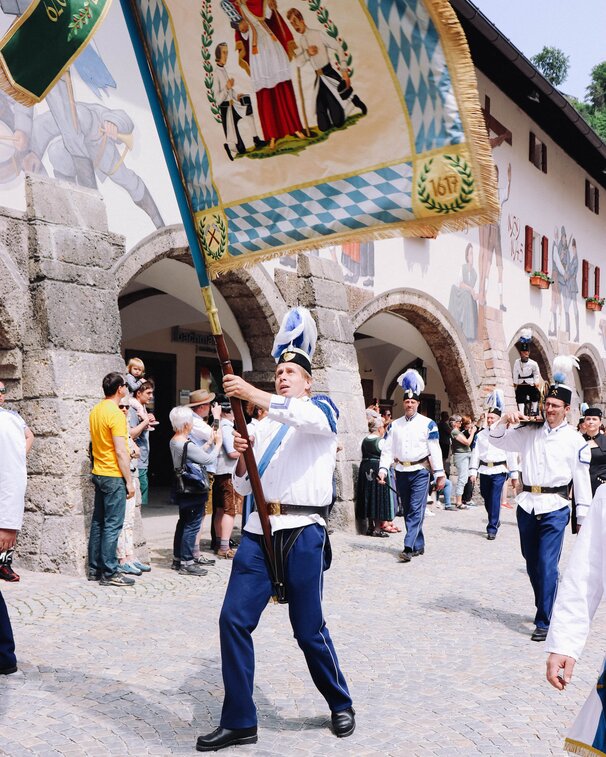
(584, 750)
(465, 85)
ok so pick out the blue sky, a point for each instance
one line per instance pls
(576, 27)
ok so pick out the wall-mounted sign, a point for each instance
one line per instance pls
(187, 336)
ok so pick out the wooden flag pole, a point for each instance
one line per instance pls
(171, 155)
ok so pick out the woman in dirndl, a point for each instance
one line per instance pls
(373, 501)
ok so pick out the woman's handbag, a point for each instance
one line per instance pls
(191, 478)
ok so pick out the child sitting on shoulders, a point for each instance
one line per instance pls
(135, 378)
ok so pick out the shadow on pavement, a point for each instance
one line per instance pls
(458, 603)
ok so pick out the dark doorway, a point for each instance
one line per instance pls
(162, 368)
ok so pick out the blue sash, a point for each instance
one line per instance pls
(249, 502)
(272, 447)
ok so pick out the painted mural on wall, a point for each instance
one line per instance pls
(565, 287)
(490, 244)
(463, 302)
(357, 261)
(261, 87)
(90, 130)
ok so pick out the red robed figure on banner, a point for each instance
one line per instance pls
(265, 46)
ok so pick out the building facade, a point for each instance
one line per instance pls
(94, 268)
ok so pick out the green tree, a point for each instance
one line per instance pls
(553, 64)
(596, 91)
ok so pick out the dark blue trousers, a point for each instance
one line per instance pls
(413, 489)
(247, 595)
(541, 539)
(7, 641)
(491, 488)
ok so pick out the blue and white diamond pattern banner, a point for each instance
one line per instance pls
(309, 123)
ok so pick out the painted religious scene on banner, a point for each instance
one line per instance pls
(93, 129)
(297, 121)
(284, 80)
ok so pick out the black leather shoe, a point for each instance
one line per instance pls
(539, 634)
(8, 671)
(223, 737)
(405, 556)
(344, 722)
(418, 552)
(491, 537)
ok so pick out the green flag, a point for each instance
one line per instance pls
(43, 42)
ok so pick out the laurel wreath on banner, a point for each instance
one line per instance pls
(465, 195)
(79, 20)
(206, 41)
(332, 31)
(206, 248)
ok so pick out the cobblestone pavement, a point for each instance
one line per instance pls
(437, 654)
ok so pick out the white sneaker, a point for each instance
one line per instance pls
(429, 513)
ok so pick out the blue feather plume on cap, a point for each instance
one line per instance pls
(495, 400)
(562, 368)
(411, 381)
(298, 330)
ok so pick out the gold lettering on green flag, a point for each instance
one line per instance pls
(41, 44)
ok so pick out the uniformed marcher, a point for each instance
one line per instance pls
(295, 447)
(492, 464)
(527, 376)
(552, 454)
(413, 448)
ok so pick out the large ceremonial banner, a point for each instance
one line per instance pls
(298, 123)
(46, 37)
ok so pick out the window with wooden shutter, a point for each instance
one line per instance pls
(585, 282)
(528, 245)
(596, 281)
(537, 152)
(545, 255)
(531, 148)
(592, 197)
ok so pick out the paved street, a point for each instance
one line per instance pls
(437, 654)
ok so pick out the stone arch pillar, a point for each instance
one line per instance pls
(14, 298)
(70, 341)
(443, 336)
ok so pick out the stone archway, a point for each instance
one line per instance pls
(591, 373)
(250, 294)
(540, 350)
(13, 312)
(447, 343)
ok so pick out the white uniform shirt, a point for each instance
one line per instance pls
(485, 452)
(582, 587)
(411, 440)
(301, 470)
(13, 471)
(527, 372)
(548, 457)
